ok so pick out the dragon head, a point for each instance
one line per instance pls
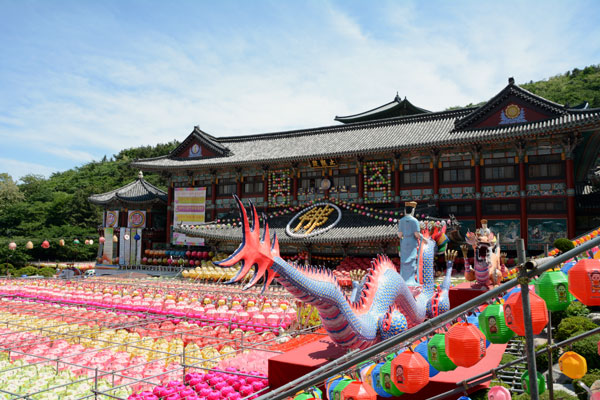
(392, 323)
(254, 251)
(485, 244)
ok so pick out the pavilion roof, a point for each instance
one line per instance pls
(396, 108)
(139, 191)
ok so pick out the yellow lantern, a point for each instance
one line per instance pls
(572, 365)
(29, 245)
(61, 242)
(115, 239)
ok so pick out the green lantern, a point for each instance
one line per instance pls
(312, 393)
(336, 390)
(553, 287)
(493, 326)
(540, 381)
(436, 353)
(386, 381)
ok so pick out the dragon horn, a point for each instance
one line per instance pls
(253, 251)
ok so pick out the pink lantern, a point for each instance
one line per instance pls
(12, 246)
(102, 239)
(499, 393)
(45, 244)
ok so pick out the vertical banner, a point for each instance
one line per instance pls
(136, 219)
(111, 219)
(132, 247)
(125, 246)
(189, 205)
(107, 251)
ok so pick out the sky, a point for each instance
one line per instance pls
(83, 79)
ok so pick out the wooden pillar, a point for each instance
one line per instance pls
(213, 198)
(295, 173)
(266, 188)
(477, 161)
(570, 178)
(397, 171)
(435, 159)
(238, 187)
(169, 212)
(523, 196)
(361, 183)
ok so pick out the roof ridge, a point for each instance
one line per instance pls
(345, 127)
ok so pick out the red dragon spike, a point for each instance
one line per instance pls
(253, 251)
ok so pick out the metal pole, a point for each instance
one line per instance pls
(550, 362)
(529, 347)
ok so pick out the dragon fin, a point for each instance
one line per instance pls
(255, 250)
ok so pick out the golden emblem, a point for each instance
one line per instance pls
(313, 218)
(512, 111)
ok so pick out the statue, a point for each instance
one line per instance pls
(489, 267)
(383, 304)
(410, 234)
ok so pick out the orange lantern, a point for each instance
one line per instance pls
(465, 344)
(513, 313)
(29, 245)
(61, 242)
(410, 372)
(572, 365)
(584, 281)
(358, 391)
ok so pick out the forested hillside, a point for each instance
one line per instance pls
(39, 209)
(36, 208)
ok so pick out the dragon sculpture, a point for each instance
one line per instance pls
(383, 306)
(489, 265)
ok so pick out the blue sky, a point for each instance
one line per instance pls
(83, 79)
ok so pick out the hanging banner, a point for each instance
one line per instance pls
(189, 206)
(111, 219)
(138, 247)
(136, 219)
(107, 251)
(124, 244)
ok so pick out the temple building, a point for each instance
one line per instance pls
(518, 160)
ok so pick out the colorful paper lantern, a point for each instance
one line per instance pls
(137, 236)
(115, 239)
(499, 393)
(29, 245)
(436, 351)
(491, 323)
(86, 242)
(45, 244)
(540, 381)
(423, 350)
(91, 242)
(410, 372)
(76, 241)
(61, 242)
(584, 281)
(376, 379)
(553, 287)
(102, 239)
(465, 344)
(513, 313)
(312, 393)
(358, 391)
(572, 365)
(12, 246)
(386, 379)
(339, 387)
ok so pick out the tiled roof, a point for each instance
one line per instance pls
(395, 108)
(423, 131)
(138, 191)
(352, 228)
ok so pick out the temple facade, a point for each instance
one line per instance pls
(519, 160)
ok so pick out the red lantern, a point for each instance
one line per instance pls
(513, 313)
(45, 244)
(358, 391)
(584, 281)
(410, 372)
(465, 344)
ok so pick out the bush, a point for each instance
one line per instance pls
(29, 270)
(588, 349)
(563, 244)
(5, 268)
(577, 308)
(541, 361)
(558, 395)
(47, 272)
(569, 326)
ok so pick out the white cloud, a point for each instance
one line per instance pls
(299, 75)
(18, 169)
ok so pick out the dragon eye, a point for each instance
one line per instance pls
(387, 322)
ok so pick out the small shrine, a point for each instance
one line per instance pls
(134, 218)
